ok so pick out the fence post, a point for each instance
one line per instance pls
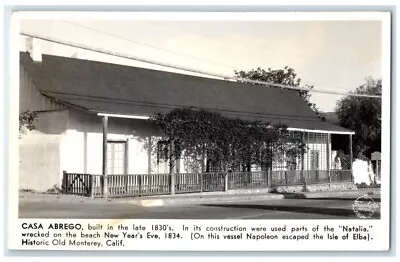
(172, 182)
(140, 184)
(64, 182)
(304, 180)
(226, 182)
(269, 175)
(286, 182)
(91, 186)
(329, 178)
(201, 182)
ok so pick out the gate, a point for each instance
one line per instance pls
(77, 184)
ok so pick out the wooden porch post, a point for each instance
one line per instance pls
(171, 167)
(126, 170)
(328, 157)
(302, 158)
(149, 155)
(378, 171)
(351, 156)
(104, 170)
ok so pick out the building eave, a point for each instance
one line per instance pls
(124, 116)
(321, 131)
(145, 117)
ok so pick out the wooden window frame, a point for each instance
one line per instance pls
(110, 168)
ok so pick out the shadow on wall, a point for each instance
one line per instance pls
(59, 121)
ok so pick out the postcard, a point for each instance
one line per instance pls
(199, 131)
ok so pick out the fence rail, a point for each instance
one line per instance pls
(247, 180)
(299, 177)
(199, 182)
(133, 185)
(160, 184)
(341, 175)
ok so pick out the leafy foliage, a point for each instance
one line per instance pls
(231, 143)
(27, 119)
(363, 115)
(345, 160)
(286, 76)
(150, 145)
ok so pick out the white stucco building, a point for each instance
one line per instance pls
(72, 97)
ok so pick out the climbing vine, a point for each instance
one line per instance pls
(233, 144)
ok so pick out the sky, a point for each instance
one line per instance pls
(330, 55)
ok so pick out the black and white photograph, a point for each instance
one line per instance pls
(207, 131)
(200, 119)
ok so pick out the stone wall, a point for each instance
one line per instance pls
(315, 188)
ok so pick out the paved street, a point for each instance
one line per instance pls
(328, 208)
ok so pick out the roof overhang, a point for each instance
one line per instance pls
(124, 116)
(289, 128)
(321, 131)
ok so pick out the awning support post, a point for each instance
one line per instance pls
(104, 169)
(328, 157)
(171, 166)
(351, 156)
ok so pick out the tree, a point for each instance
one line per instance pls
(286, 76)
(363, 116)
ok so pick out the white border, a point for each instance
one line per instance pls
(382, 224)
(386, 133)
(205, 16)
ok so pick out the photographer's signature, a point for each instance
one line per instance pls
(364, 206)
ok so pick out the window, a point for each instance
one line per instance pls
(213, 166)
(162, 151)
(314, 159)
(116, 157)
(162, 156)
(291, 162)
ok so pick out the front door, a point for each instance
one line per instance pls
(116, 158)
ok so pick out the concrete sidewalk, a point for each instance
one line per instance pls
(201, 198)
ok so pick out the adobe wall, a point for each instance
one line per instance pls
(39, 151)
(82, 146)
(39, 161)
